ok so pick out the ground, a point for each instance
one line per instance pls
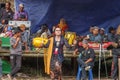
(33, 69)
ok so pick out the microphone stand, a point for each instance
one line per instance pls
(101, 54)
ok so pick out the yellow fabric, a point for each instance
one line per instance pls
(47, 57)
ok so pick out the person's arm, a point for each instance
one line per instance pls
(66, 43)
(46, 45)
(12, 15)
(26, 17)
(14, 45)
(92, 56)
(110, 38)
(75, 52)
(25, 41)
(98, 39)
(26, 46)
(118, 41)
(89, 60)
(16, 16)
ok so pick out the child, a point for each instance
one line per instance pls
(15, 53)
(24, 37)
(8, 33)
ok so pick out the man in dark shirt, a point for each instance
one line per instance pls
(7, 13)
(115, 55)
(86, 58)
(111, 34)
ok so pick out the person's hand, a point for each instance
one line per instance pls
(75, 53)
(27, 50)
(41, 45)
(114, 44)
(75, 42)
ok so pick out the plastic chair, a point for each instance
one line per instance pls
(5, 42)
(79, 74)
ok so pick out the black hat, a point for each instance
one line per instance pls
(111, 29)
(85, 41)
(17, 30)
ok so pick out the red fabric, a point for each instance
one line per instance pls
(97, 45)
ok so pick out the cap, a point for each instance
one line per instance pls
(84, 42)
(21, 5)
(102, 29)
(95, 27)
(17, 30)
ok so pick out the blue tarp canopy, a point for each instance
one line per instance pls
(79, 14)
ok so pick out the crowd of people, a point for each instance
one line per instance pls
(20, 39)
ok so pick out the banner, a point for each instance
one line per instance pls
(79, 14)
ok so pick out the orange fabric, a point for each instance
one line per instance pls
(63, 26)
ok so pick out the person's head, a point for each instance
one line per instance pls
(21, 7)
(17, 32)
(91, 29)
(112, 30)
(95, 31)
(7, 5)
(44, 27)
(85, 44)
(118, 30)
(62, 21)
(58, 31)
(3, 21)
(22, 27)
(102, 31)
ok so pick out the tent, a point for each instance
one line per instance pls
(79, 14)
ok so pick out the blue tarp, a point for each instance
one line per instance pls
(79, 14)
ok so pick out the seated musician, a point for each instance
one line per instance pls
(111, 34)
(6, 14)
(103, 35)
(95, 36)
(90, 31)
(86, 58)
(21, 15)
(43, 31)
(116, 53)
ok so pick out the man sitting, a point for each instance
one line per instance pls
(104, 37)
(86, 58)
(95, 36)
(21, 15)
(7, 13)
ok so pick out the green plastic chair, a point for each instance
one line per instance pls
(6, 67)
(5, 42)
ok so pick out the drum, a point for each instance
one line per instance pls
(70, 36)
(38, 42)
(95, 45)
